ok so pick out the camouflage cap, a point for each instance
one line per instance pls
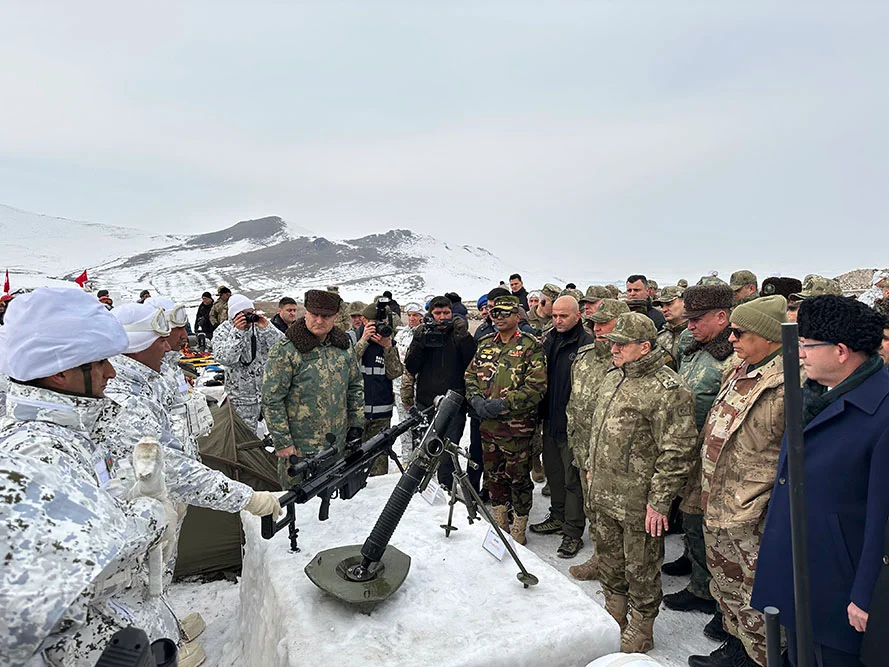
(576, 293)
(595, 293)
(653, 284)
(741, 278)
(551, 291)
(669, 294)
(815, 285)
(632, 327)
(682, 282)
(615, 292)
(333, 288)
(711, 280)
(356, 307)
(608, 310)
(506, 303)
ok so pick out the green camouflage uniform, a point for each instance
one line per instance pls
(741, 279)
(669, 336)
(310, 392)
(394, 369)
(642, 443)
(514, 370)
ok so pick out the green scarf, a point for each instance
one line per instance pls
(816, 397)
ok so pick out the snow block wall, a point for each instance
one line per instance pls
(459, 606)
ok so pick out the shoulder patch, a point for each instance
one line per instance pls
(668, 378)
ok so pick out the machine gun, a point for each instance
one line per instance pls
(336, 472)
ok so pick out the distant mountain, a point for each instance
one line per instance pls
(265, 259)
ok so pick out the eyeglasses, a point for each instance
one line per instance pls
(806, 346)
(501, 312)
(621, 346)
(736, 332)
(158, 324)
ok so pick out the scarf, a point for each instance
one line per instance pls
(816, 397)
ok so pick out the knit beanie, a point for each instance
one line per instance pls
(762, 316)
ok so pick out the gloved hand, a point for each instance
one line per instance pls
(495, 406)
(148, 467)
(477, 405)
(263, 503)
(354, 433)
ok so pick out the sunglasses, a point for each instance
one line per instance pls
(736, 332)
(501, 312)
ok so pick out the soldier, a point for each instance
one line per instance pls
(219, 311)
(343, 319)
(542, 318)
(592, 299)
(672, 305)
(380, 364)
(589, 367)
(744, 286)
(505, 382)
(67, 561)
(566, 504)
(356, 319)
(706, 358)
(741, 442)
(813, 285)
(642, 442)
(312, 385)
(638, 299)
(242, 345)
(783, 286)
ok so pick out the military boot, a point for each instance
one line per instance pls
(616, 605)
(588, 571)
(537, 470)
(501, 516)
(714, 630)
(191, 626)
(191, 655)
(638, 637)
(518, 529)
(728, 654)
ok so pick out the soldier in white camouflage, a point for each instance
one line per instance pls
(641, 445)
(312, 385)
(242, 345)
(740, 449)
(72, 543)
(672, 305)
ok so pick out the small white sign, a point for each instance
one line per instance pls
(494, 545)
(432, 492)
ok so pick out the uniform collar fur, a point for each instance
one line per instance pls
(720, 348)
(304, 340)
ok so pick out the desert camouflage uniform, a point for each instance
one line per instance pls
(670, 340)
(69, 580)
(243, 378)
(219, 312)
(307, 395)
(515, 371)
(703, 372)
(642, 443)
(741, 444)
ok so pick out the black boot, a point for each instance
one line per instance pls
(678, 568)
(685, 600)
(725, 656)
(714, 630)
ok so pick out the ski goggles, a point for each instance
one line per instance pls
(177, 316)
(158, 324)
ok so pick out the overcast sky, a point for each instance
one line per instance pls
(599, 137)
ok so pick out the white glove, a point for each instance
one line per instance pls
(262, 503)
(148, 466)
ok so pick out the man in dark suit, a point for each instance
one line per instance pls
(846, 433)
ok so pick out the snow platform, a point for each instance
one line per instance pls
(459, 606)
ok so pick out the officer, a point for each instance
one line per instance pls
(813, 285)
(642, 443)
(542, 318)
(744, 286)
(505, 382)
(672, 305)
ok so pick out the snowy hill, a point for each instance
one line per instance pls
(264, 258)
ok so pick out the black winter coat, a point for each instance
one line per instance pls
(202, 319)
(522, 294)
(438, 369)
(560, 350)
(875, 648)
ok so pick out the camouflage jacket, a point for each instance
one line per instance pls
(515, 371)
(343, 321)
(312, 390)
(139, 393)
(587, 371)
(669, 341)
(741, 443)
(702, 366)
(643, 439)
(233, 349)
(65, 577)
(190, 417)
(540, 323)
(391, 359)
(219, 313)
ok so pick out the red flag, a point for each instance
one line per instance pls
(81, 279)
(6, 284)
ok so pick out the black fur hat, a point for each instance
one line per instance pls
(839, 319)
(783, 286)
(701, 299)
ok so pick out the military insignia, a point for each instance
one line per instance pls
(666, 379)
(768, 289)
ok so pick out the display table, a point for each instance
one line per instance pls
(458, 605)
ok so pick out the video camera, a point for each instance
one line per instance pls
(382, 324)
(434, 332)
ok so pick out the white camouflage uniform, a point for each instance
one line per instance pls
(189, 415)
(74, 575)
(243, 378)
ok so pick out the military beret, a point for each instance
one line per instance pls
(608, 310)
(551, 291)
(669, 294)
(815, 285)
(321, 302)
(595, 293)
(741, 278)
(632, 327)
(701, 299)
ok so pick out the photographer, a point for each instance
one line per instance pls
(242, 345)
(380, 364)
(437, 358)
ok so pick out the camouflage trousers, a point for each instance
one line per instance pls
(371, 428)
(696, 552)
(248, 412)
(630, 562)
(731, 556)
(537, 441)
(507, 465)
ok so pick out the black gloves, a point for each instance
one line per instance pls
(354, 433)
(487, 409)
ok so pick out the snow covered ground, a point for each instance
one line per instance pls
(677, 635)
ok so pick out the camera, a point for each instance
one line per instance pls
(382, 325)
(434, 332)
(252, 317)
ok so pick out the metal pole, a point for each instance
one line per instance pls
(773, 638)
(799, 530)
